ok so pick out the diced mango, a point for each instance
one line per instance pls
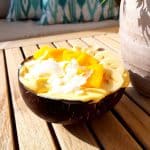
(85, 59)
(41, 53)
(56, 54)
(23, 71)
(41, 85)
(62, 54)
(48, 52)
(68, 55)
(95, 80)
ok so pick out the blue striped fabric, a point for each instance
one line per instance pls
(68, 11)
(25, 9)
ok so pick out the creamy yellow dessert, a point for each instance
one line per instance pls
(73, 74)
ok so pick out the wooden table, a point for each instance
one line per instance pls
(126, 126)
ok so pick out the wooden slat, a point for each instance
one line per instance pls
(6, 139)
(54, 38)
(77, 43)
(44, 44)
(112, 134)
(136, 119)
(90, 41)
(29, 50)
(75, 137)
(119, 129)
(62, 44)
(139, 99)
(109, 42)
(32, 131)
(113, 35)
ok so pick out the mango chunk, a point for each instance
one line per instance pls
(95, 80)
(85, 59)
(68, 55)
(48, 52)
(41, 85)
(42, 53)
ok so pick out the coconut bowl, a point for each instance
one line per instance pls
(65, 111)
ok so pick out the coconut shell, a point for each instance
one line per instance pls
(65, 111)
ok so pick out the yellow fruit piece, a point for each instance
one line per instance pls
(48, 52)
(85, 59)
(23, 71)
(81, 71)
(68, 55)
(56, 54)
(41, 85)
(62, 54)
(42, 53)
(95, 80)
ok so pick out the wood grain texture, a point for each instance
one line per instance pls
(55, 38)
(32, 131)
(137, 120)
(114, 37)
(77, 43)
(75, 137)
(90, 41)
(112, 134)
(6, 138)
(62, 44)
(97, 44)
(139, 99)
(29, 50)
(115, 46)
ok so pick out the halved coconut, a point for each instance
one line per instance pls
(81, 103)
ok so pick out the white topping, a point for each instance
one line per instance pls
(62, 77)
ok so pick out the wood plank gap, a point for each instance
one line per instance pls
(84, 42)
(144, 102)
(124, 124)
(68, 43)
(37, 46)
(114, 40)
(52, 131)
(12, 116)
(132, 99)
(23, 54)
(94, 136)
(53, 44)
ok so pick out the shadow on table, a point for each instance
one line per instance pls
(78, 133)
(142, 101)
(83, 132)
